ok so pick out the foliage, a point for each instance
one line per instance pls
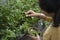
(12, 17)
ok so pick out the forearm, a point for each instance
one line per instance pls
(43, 16)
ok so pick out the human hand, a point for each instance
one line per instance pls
(31, 13)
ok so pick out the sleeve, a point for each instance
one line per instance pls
(48, 33)
(49, 19)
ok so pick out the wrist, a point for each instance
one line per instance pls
(38, 14)
(42, 16)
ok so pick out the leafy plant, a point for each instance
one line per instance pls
(12, 17)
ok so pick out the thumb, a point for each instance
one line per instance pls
(28, 15)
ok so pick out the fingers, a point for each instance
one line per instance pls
(29, 12)
(28, 15)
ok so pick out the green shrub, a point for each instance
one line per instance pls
(12, 17)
